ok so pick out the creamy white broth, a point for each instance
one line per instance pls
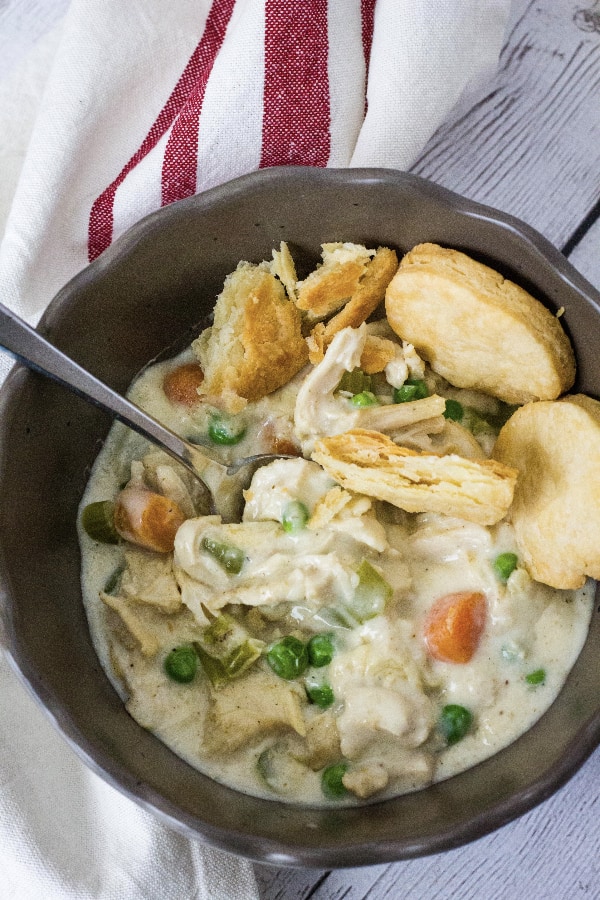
(388, 691)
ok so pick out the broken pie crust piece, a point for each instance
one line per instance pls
(370, 463)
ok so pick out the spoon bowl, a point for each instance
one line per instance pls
(222, 485)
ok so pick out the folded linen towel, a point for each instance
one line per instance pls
(145, 105)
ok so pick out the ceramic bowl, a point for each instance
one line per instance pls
(149, 289)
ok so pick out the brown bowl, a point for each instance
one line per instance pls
(148, 290)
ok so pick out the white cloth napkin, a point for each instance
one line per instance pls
(146, 103)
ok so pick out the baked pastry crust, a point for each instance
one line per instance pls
(477, 329)
(369, 293)
(332, 283)
(556, 507)
(255, 344)
(369, 462)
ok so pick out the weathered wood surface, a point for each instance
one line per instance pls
(531, 147)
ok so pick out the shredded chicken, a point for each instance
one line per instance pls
(320, 413)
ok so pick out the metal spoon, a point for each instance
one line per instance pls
(223, 483)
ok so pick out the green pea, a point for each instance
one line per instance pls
(295, 516)
(536, 678)
(181, 664)
(320, 650)
(454, 410)
(365, 398)
(319, 693)
(229, 557)
(331, 781)
(225, 431)
(98, 520)
(454, 722)
(288, 657)
(412, 389)
(504, 565)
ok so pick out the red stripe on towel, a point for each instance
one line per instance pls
(296, 111)
(100, 228)
(367, 11)
(181, 156)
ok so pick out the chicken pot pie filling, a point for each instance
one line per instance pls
(376, 621)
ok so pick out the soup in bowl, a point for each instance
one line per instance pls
(369, 632)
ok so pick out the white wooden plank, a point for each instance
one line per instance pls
(289, 884)
(552, 852)
(531, 146)
(544, 854)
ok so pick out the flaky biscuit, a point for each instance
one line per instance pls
(370, 463)
(369, 293)
(477, 329)
(556, 507)
(284, 268)
(255, 345)
(333, 282)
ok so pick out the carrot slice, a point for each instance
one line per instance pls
(454, 626)
(181, 384)
(147, 519)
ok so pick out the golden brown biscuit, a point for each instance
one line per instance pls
(370, 463)
(255, 345)
(366, 298)
(284, 267)
(477, 329)
(332, 283)
(556, 508)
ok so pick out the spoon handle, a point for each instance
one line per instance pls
(30, 348)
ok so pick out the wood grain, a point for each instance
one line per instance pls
(531, 145)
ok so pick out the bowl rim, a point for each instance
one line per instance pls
(226, 191)
(260, 848)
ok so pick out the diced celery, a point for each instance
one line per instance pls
(511, 652)
(226, 651)
(355, 382)
(335, 617)
(222, 670)
(371, 594)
